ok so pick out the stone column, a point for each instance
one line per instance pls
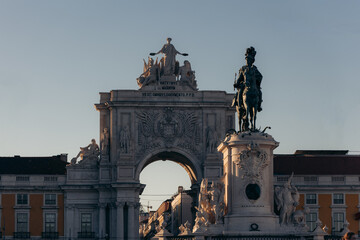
(113, 221)
(136, 220)
(131, 221)
(69, 219)
(102, 220)
(120, 220)
(76, 222)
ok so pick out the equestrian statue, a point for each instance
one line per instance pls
(248, 98)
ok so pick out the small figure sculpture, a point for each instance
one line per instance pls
(286, 199)
(169, 60)
(124, 140)
(299, 216)
(90, 152)
(211, 142)
(204, 199)
(185, 228)
(104, 141)
(217, 201)
(200, 222)
(211, 209)
(186, 74)
(249, 96)
(151, 73)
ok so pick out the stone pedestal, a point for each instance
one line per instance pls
(249, 189)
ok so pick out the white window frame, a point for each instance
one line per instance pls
(16, 220)
(91, 221)
(316, 199)
(333, 199)
(47, 204)
(23, 204)
(333, 220)
(311, 224)
(44, 220)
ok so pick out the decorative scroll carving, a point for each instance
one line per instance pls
(253, 161)
(168, 128)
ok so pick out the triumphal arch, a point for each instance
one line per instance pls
(167, 118)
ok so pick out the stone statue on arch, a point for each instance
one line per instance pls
(168, 62)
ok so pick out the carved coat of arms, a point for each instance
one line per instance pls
(168, 128)
(252, 161)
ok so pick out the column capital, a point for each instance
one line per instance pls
(102, 205)
(70, 206)
(137, 205)
(120, 204)
(131, 204)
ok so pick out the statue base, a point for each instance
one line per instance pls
(249, 189)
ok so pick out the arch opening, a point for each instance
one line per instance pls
(178, 158)
(176, 198)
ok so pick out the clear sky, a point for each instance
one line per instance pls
(56, 56)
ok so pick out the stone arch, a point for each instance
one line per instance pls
(185, 160)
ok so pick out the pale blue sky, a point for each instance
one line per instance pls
(55, 56)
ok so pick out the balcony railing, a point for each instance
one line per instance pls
(286, 237)
(50, 235)
(332, 237)
(22, 235)
(86, 234)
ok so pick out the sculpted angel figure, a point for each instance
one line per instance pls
(169, 59)
(151, 73)
(286, 199)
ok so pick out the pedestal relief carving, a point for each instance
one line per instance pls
(252, 161)
(168, 128)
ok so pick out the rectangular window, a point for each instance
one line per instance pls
(22, 199)
(22, 178)
(50, 199)
(340, 179)
(311, 219)
(311, 179)
(338, 198)
(338, 221)
(282, 179)
(50, 222)
(50, 179)
(311, 199)
(86, 222)
(22, 222)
